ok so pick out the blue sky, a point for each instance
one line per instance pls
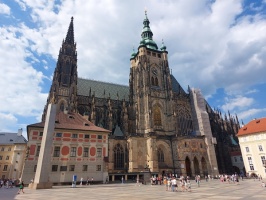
(216, 46)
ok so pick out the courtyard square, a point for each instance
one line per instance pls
(214, 189)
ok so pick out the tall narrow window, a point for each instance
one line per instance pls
(119, 157)
(99, 152)
(160, 155)
(263, 160)
(73, 151)
(157, 116)
(38, 150)
(260, 148)
(247, 149)
(5, 167)
(56, 151)
(85, 152)
(250, 163)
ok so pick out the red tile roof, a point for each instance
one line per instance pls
(254, 126)
(72, 121)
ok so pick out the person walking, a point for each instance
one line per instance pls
(81, 181)
(21, 187)
(198, 180)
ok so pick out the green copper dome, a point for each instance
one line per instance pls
(147, 34)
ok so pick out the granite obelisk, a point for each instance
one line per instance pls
(41, 180)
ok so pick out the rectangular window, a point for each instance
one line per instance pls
(241, 159)
(3, 149)
(260, 148)
(235, 159)
(250, 163)
(58, 135)
(56, 151)
(98, 168)
(85, 168)
(9, 148)
(100, 137)
(1, 157)
(247, 149)
(87, 136)
(263, 160)
(71, 168)
(74, 135)
(38, 150)
(73, 152)
(63, 168)
(54, 168)
(99, 152)
(35, 168)
(41, 134)
(85, 152)
(5, 167)
(159, 55)
(7, 157)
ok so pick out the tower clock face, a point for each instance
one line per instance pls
(154, 71)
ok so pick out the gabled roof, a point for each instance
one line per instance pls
(176, 86)
(11, 138)
(87, 87)
(72, 121)
(102, 89)
(253, 127)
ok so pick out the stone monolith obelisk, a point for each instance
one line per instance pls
(41, 180)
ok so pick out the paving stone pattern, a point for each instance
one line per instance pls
(247, 189)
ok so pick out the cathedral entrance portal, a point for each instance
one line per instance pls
(196, 166)
(188, 168)
(204, 166)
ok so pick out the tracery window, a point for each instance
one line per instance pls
(119, 157)
(160, 155)
(157, 116)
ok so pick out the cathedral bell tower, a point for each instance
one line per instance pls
(64, 85)
(150, 86)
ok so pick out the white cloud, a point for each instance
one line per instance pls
(250, 113)
(237, 102)
(4, 9)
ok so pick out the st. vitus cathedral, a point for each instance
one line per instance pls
(155, 125)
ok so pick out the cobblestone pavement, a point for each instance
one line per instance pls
(215, 190)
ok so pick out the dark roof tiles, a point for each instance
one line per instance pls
(11, 138)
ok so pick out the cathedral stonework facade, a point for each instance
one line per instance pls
(155, 126)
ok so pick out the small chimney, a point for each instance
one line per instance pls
(20, 132)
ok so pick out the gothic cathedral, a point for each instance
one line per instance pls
(154, 124)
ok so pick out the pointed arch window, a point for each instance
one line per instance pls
(152, 81)
(160, 155)
(62, 107)
(156, 81)
(119, 157)
(157, 116)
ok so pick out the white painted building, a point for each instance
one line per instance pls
(252, 140)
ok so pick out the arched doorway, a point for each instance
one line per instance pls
(188, 168)
(236, 170)
(204, 166)
(196, 166)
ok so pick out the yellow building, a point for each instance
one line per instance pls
(252, 140)
(12, 154)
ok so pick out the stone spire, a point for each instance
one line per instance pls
(70, 33)
(65, 75)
